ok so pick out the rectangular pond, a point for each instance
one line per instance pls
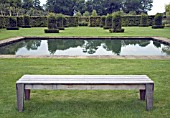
(87, 47)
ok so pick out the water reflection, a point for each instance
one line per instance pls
(86, 47)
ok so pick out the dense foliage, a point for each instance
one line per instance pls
(158, 21)
(116, 23)
(102, 7)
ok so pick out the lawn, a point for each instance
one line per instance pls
(87, 31)
(84, 104)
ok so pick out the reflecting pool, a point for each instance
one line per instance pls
(72, 47)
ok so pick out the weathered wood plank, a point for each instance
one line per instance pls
(85, 87)
(20, 97)
(88, 79)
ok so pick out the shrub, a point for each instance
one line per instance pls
(12, 23)
(116, 23)
(157, 21)
(144, 20)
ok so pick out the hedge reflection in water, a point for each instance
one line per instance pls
(88, 46)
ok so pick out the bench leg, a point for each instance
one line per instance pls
(142, 94)
(20, 97)
(27, 94)
(149, 96)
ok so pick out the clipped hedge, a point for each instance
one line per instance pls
(95, 21)
(116, 23)
(102, 21)
(108, 22)
(59, 20)
(3, 22)
(12, 23)
(72, 21)
(144, 20)
(26, 21)
(158, 21)
(52, 24)
(36, 21)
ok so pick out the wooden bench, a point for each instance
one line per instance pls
(84, 82)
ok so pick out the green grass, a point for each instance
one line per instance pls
(84, 104)
(87, 31)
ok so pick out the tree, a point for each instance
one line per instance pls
(94, 13)
(78, 14)
(139, 6)
(36, 4)
(27, 4)
(167, 9)
(86, 13)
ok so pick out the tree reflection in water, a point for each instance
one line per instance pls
(87, 46)
(14, 47)
(60, 44)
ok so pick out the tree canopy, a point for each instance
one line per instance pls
(102, 7)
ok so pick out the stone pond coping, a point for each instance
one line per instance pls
(160, 39)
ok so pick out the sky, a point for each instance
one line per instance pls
(158, 6)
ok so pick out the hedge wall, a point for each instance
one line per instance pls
(73, 21)
(95, 21)
(108, 22)
(135, 20)
(102, 21)
(3, 22)
(38, 21)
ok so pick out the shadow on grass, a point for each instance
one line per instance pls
(85, 107)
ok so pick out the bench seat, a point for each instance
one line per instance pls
(84, 82)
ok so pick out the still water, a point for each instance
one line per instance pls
(85, 47)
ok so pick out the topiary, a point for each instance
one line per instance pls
(144, 20)
(157, 21)
(108, 22)
(116, 23)
(12, 23)
(26, 21)
(52, 24)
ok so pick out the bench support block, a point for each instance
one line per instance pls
(142, 94)
(27, 94)
(20, 97)
(149, 96)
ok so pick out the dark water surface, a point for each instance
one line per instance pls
(85, 47)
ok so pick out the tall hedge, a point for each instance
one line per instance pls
(12, 23)
(52, 24)
(102, 21)
(144, 20)
(116, 23)
(59, 20)
(108, 22)
(157, 21)
(26, 21)
(72, 21)
(95, 21)
(37, 21)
